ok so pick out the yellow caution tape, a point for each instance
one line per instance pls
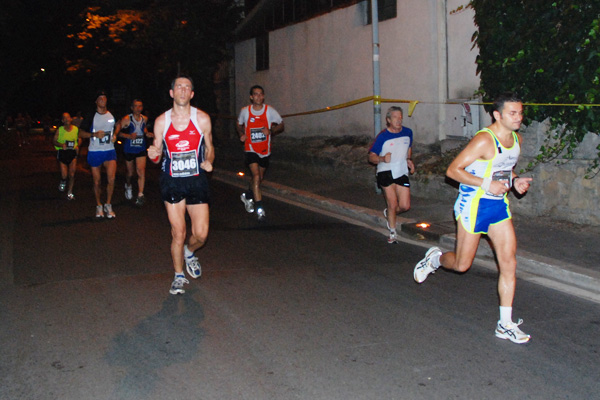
(336, 107)
(412, 104)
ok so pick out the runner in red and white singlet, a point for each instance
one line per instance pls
(184, 135)
(257, 124)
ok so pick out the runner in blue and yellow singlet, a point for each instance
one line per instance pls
(484, 170)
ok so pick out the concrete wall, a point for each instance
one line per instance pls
(462, 70)
(426, 55)
(328, 60)
(560, 189)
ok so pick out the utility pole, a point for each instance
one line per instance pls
(376, 86)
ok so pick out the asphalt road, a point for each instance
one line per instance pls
(303, 306)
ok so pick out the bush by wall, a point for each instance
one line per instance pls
(548, 52)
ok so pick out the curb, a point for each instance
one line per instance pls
(565, 277)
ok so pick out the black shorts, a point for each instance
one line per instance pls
(385, 179)
(253, 158)
(133, 156)
(192, 189)
(66, 156)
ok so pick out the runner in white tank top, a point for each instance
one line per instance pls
(484, 170)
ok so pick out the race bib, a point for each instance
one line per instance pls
(184, 164)
(138, 141)
(106, 138)
(257, 135)
(70, 144)
(504, 177)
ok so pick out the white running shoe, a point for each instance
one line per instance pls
(99, 212)
(62, 185)
(110, 214)
(425, 266)
(177, 285)
(261, 214)
(512, 332)
(128, 191)
(393, 238)
(193, 267)
(248, 203)
(70, 196)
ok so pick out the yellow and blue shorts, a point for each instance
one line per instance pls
(477, 214)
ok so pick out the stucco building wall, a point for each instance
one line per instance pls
(328, 61)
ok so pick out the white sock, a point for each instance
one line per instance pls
(188, 254)
(179, 275)
(435, 260)
(505, 315)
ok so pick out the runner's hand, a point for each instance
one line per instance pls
(498, 188)
(522, 184)
(411, 166)
(207, 166)
(154, 153)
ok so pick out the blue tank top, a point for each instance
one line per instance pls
(138, 144)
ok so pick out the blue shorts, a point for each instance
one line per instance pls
(480, 215)
(97, 158)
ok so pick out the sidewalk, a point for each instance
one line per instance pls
(557, 254)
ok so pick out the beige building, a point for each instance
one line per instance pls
(313, 54)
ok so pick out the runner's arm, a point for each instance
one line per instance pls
(209, 150)
(276, 129)
(155, 150)
(480, 147)
(409, 161)
(122, 123)
(55, 140)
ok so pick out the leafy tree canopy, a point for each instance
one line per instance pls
(548, 52)
(143, 48)
(131, 47)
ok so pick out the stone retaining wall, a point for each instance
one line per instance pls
(558, 191)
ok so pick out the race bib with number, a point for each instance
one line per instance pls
(504, 177)
(184, 164)
(257, 135)
(70, 144)
(106, 138)
(138, 141)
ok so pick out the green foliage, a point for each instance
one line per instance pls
(55, 55)
(142, 46)
(548, 52)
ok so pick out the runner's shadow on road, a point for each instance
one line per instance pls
(171, 336)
